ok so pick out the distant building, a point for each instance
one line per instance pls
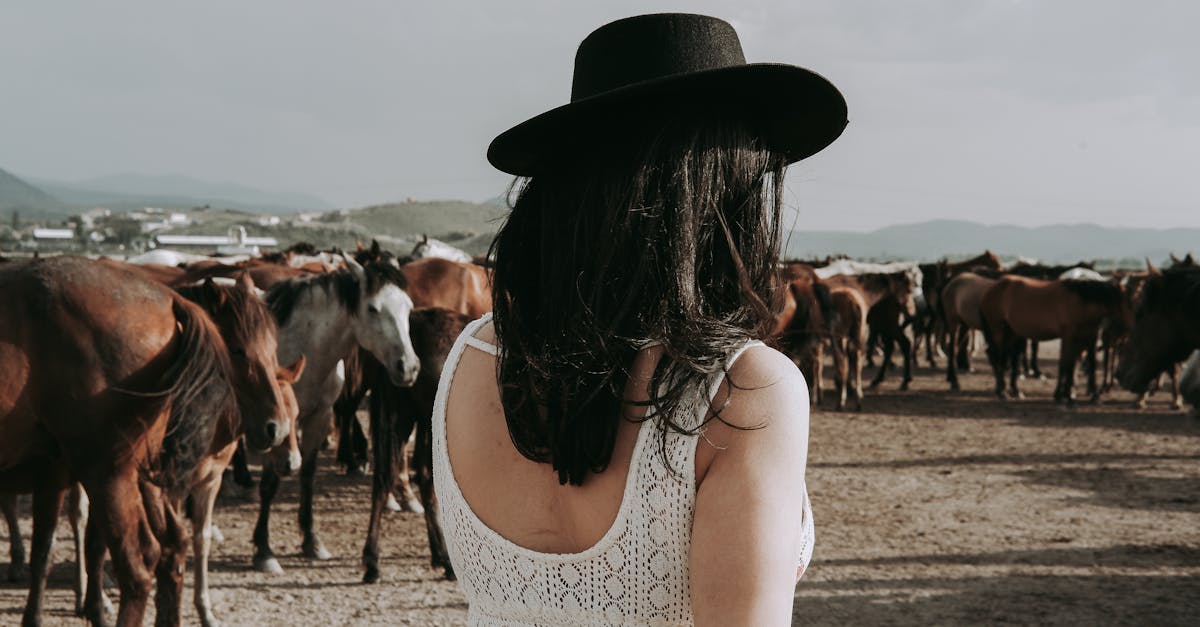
(54, 234)
(236, 242)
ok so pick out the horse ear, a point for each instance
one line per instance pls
(292, 373)
(245, 282)
(358, 247)
(424, 238)
(353, 265)
(210, 286)
(1174, 259)
(375, 250)
(1150, 267)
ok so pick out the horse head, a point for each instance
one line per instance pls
(261, 385)
(381, 323)
(1161, 332)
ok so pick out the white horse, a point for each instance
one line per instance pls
(323, 317)
(1081, 274)
(849, 267)
(429, 247)
(1189, 385)
(173, 258)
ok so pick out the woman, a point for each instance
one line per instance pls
(613, 446)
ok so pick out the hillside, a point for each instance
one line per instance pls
(443, 219)
(134, 191)
(31, 202)
(1060, 243)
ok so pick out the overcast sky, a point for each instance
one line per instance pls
(999, 111)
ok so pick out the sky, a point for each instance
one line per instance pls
(997, 111)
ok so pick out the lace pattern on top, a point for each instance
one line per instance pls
(636, 574)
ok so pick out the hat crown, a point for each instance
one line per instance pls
(647, 47)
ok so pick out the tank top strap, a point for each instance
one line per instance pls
(468, 336)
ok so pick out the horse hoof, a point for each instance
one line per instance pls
(208, 620)
(372, 575)
(355, 470)
(216, 534)
(1177, 405)
(393, 505)
(413, 506)
(316, 551)
(449, 575)
(268, 565)
(904, 386)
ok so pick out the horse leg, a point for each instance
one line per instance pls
(818, 372)
(951, 361)
(873, 341)
(423, 461)
(166, 523)
(998, 356)
(204, 497)
(16, 546)
(264, 557)
(841, 373)
(907, 353)
(77, 509)
(311, 547)
(96, 605)
(888, 347)
(383, 410)
(1090, 365)
(409, 501)
(1018, 349)
(117, 503)
(1176, 399)
(241, 469)
(1033, 360)
(47, 502)
(1066, 372)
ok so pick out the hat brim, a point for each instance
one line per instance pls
(796, 112)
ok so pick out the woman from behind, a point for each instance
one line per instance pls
(613, 445)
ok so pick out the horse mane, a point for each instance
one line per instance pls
(344, 285)
(1099, 292)
(196, 386)
(247, 314)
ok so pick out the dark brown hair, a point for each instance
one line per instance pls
(672, 236)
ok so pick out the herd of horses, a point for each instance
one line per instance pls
(133, 386)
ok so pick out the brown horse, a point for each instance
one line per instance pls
(147, 377)
(961, 300)
(889, 296)
(394, 411)
(802, 323)
(934, 279)
(1018, 308)
(1164, 329)
(848, 338)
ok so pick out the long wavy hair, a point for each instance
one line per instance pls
(672, 235)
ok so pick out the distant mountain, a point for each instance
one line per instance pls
(31, 202)
(1059, 243)
(135, 191)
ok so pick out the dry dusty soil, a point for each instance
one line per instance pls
(931, 508)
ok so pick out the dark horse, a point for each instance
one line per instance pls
(1017, 308)
(394, 410)
(117, 382)
(1164, 329)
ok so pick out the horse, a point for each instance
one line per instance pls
(935, 276)
(961, 298)
(1132, 283)
(848, 339)
(148, 377)
(429, 248)
(1164, 329)
(1190, 382)
(263, 388)
(890, 296)
(802, 322)
(1018, 308)
(394, 410)
(431, 282)
(77, 514)
(323, 317)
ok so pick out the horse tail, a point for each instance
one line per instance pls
(198, 390)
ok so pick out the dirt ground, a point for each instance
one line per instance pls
(930, 508)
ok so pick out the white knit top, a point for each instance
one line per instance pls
(637, 574)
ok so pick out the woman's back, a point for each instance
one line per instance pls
(616, 549)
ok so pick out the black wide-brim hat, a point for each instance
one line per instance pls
(649, 66)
